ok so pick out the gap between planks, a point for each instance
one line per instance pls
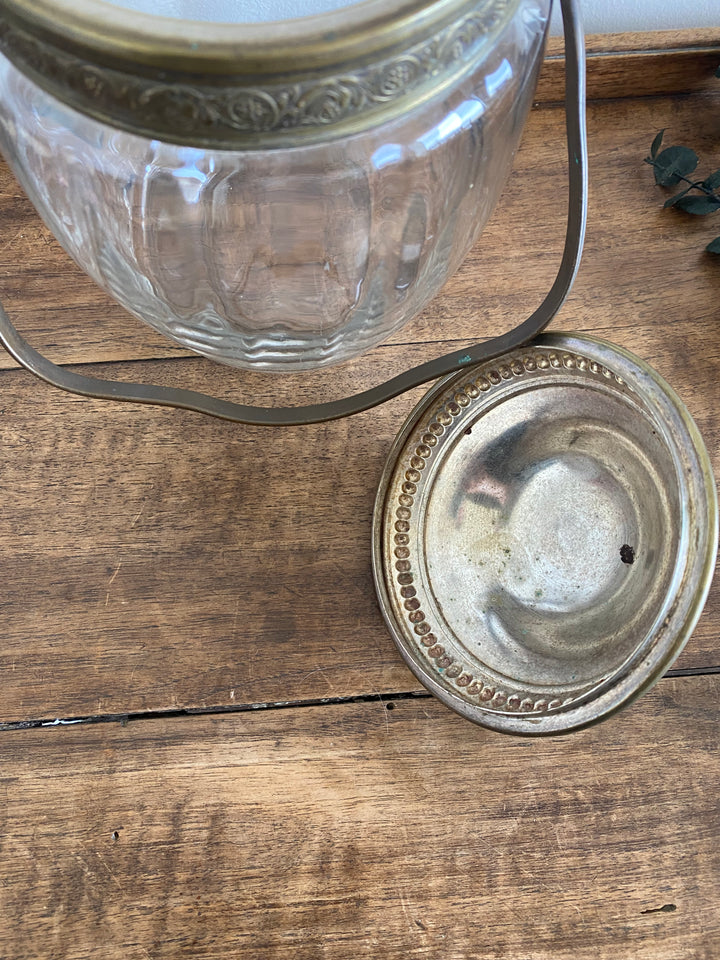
(387, 698)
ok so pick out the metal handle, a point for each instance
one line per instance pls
(65, 379)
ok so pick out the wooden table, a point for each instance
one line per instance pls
(211, 748)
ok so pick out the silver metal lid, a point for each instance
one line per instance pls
(545, 535)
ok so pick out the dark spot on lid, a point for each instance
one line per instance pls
(627, 553)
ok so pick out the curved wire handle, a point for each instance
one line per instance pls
(65, 379)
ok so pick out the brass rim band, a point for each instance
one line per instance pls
(230, 97)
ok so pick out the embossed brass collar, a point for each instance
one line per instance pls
(246, 86)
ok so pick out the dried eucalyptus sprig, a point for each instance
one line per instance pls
(672, 166)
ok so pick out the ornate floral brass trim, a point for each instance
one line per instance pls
(229, 112)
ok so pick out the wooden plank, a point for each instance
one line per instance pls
(155, 560)
(61, 311)
(641, 263)
(352, 831)
(646, 64)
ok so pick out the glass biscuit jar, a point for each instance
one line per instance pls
(279, 195)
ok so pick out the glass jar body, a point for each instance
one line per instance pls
(283, 258)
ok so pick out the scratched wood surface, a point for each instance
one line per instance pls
(157, 560)
(354, 831)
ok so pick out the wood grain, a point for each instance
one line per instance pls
(156, 560)
(636, 64)
(167, 561)
(351, 831)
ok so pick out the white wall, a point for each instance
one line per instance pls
(618, 16)
(599, 16)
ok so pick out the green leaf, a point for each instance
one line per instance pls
(713, 246)
(713, 181)
(674, 163)
(656, 144)
(698, 204)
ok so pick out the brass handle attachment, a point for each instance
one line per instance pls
(158, 395)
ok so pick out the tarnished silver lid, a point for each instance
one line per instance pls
(545, 535)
